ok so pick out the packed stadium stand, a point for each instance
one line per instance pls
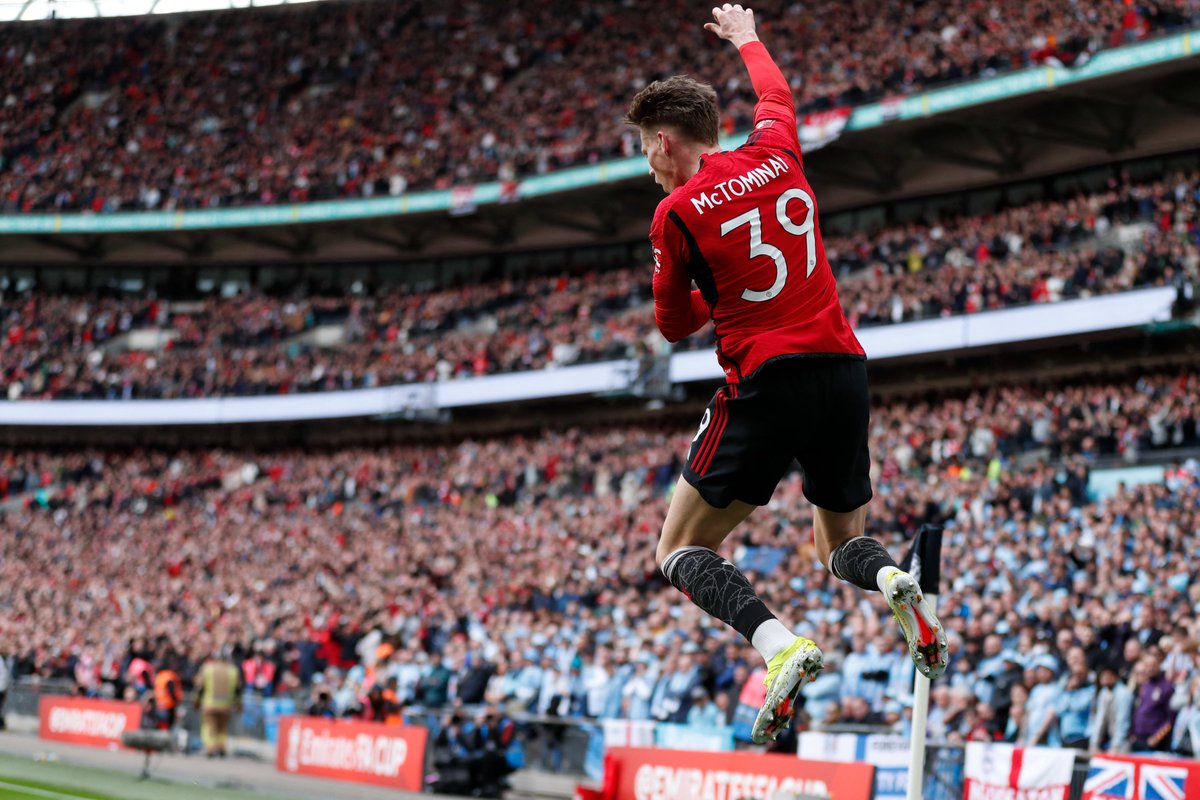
(334, 571)
(358, 565)
(218, 110)
(1124, 235)
(1031, 323)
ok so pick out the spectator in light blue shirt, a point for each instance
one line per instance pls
(1041, 708)
(899, 665)
(704, 714)
(825, 692)
(1109, 729)
(680, 685)
(527, 680)
(991, 665)
(658, 698)
(637, 691)
(621, 676)
(864, 673)
(1075, 700)
(672, 695)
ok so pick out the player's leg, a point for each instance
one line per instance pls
(846, 551)
(837, 481)
(687, 555)
(835, 399)
(858, 559)
(691, 535)
(723, 481)
(732, 468)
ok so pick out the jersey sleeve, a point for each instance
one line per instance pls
(679, 310)
(775, 113)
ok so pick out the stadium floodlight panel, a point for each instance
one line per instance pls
(35, 10)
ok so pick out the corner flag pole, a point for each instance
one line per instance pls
(924, 563)
(920, 720)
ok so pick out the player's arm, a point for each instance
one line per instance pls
(679, 310)
(736, 25)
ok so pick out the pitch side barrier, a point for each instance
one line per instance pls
(658, 761)
(1069, 317)
(976, 771)
(1031, 80)
(1000, 771)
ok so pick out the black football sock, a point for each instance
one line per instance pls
(859, 560)
(717, 587)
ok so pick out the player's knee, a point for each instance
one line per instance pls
(668, 543)
(825, 548)
(662, 551)
(832, 529)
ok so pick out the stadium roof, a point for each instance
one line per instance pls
(33, 10)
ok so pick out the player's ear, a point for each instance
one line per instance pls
(664, 142)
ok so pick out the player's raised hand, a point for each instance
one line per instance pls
(734, 24)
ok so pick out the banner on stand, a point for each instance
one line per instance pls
(1113, 777)
(1006, 772)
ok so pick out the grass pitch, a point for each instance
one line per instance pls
(24, 779)
(15, 789)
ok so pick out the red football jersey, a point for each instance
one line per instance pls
(744, 229)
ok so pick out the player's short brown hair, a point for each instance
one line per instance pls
(684, 103)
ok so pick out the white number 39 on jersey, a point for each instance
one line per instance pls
(760, 248)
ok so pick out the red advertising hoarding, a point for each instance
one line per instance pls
(648, 774)
(359, 752)
(82, 720)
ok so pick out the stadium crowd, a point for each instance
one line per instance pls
(65, 347)
(293, 105)
(1074, 617)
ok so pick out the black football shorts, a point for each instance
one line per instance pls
(813, 409)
